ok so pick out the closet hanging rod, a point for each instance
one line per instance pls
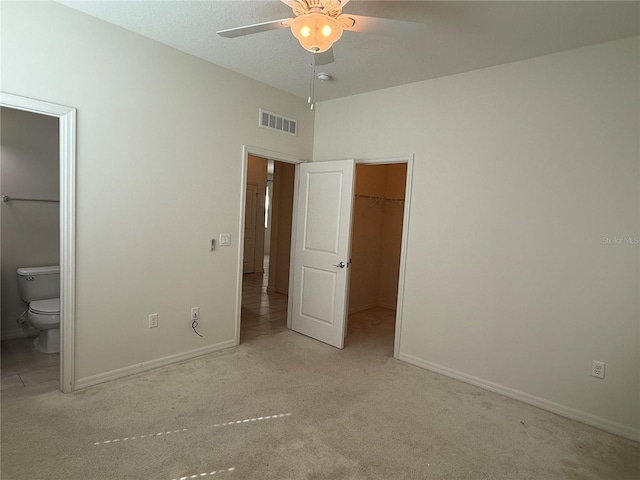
(359, 195)
(7, 198)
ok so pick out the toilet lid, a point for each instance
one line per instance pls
(50, 306)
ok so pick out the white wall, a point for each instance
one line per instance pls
(159, 165)
(30, 231)
(520, 172)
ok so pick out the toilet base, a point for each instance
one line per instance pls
(48, 341)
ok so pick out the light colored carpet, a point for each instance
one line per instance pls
(288, 407)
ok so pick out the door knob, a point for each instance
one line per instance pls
(341, 265)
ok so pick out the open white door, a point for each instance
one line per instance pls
(321, 255)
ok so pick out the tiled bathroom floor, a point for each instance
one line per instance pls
(25, 371)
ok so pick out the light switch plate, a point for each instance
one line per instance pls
(225, 239)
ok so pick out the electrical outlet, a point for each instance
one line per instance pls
(195, 314)
(153, 320)
(597, 369)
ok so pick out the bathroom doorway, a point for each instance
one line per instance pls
(64, 128)
(30, 218)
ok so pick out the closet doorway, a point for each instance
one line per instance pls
(376, 251)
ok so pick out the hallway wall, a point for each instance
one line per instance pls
(257, 175)
(282, 218)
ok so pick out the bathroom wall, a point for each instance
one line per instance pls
(376, 236)
(30, 233)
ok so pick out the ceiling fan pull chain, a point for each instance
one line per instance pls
(312, 84)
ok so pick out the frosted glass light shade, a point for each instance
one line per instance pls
(316, 32)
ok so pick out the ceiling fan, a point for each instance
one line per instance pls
(318, 24)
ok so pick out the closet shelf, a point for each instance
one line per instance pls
(373, 197)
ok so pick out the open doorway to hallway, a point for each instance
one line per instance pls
(265, 279)
(376, 245)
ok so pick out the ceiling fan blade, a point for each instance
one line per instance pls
(290, 3)
(251, 29)
(385, 26)
(325, 58)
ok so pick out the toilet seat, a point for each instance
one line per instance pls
(44, 315)
(50, 306)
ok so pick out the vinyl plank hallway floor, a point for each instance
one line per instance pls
(263, 313)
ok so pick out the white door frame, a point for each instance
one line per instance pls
(67, 129)
(283, 157)
(269, 155)
(408, 159)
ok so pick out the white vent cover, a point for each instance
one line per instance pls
(273, 121)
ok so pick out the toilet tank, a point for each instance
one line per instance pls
(39, 283)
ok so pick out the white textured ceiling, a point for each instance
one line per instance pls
(461, 36)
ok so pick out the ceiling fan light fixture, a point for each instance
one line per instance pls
(316, 32)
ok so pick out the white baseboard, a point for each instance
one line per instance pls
(388, 306)
(578, 415)
(277, 290)
(150, 365)
(370, 306)
(19, 332)
(363, 308)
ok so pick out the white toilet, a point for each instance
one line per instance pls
(40, 288)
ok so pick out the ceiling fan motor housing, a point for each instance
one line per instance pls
(316, 31)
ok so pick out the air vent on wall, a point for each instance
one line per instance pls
(273, 121)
